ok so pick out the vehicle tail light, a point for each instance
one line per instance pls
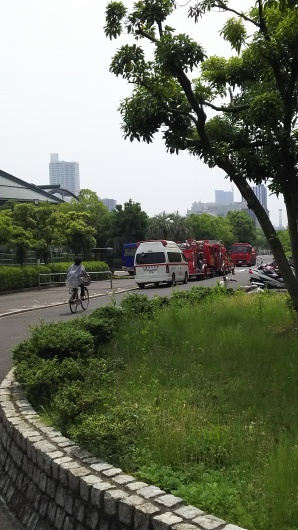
(167, 269)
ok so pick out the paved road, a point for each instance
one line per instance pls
(25, 309)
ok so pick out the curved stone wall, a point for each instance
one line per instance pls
(49, 483)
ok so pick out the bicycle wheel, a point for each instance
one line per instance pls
(73, 301)
(85, 302)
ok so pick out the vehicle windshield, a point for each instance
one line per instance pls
(147, 258)
(240, 248)
(129, 251)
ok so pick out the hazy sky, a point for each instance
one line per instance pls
(57, 96)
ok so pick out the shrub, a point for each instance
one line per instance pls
(61, 340)
(111, 434)
(112, 313)
(21, 277)
(100, 329)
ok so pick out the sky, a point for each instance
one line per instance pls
(58, 96)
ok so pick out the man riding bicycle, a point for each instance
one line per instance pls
(76, 273)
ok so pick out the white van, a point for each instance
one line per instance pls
(159, 261)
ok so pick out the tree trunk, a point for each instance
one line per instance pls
(254, 204)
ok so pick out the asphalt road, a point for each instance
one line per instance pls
(16, 328)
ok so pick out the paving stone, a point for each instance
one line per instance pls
(165, 521)
(86, 484)
(143, 514)
(111, 501)
(168, 500)
(97, 492)
(185, 526)
(149, 492)
(208, 522)
(188, 512)
(127, 508)
(101, 466)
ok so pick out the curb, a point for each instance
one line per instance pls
(27, 309)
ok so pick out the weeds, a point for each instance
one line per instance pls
(196, 393)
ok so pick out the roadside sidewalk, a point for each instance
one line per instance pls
(33, 299)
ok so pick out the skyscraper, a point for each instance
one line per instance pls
(260, 192)
(224, 197)
(67, 174)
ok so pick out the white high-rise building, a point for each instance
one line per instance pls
(67, 174)
(260, 192)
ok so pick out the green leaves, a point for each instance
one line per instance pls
(129, 62)
(178, 52)
(235, 33)
(115, 13)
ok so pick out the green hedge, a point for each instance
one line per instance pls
(21, 277)
(90, 266)
(27, 275)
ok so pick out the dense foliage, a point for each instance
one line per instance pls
(253, 135)
(207, 413)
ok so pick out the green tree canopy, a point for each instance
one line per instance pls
(169, 226)
(243, 227)
(128, 224)
(99, 217)
(253, 136)
(206, 226)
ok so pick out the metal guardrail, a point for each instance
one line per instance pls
(58, 278)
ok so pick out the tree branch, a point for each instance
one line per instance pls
(140, 31)
(226, 109)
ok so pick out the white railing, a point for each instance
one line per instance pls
(59, 278)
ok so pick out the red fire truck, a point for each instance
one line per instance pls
(195, 257)
(205, 258)
(243, 254)
(217, 258)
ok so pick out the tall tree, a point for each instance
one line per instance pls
(253, 136)
(206, 226)
(99, 216)
(170, 226)
(243, 227)
(128, 224)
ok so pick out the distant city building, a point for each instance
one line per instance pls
(110, 203)
(224, 197)
(260, 192)
(67, 174)
(212, 208)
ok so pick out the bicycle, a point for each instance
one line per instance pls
(75, 300)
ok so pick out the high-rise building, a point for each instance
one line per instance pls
(260, 192)
(67, 174)
(224, 197)
(110, 203)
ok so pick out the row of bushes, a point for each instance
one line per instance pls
(58, 353)
(28, 275)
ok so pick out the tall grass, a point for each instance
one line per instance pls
(217, 387)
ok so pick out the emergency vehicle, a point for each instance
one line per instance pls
(159, 261)
(243, 254)
(206, 258)
(196, 261)
(216, 256)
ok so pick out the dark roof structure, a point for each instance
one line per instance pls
(14, 188)
(58, 191)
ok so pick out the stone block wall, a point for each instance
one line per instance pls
(49, 483)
